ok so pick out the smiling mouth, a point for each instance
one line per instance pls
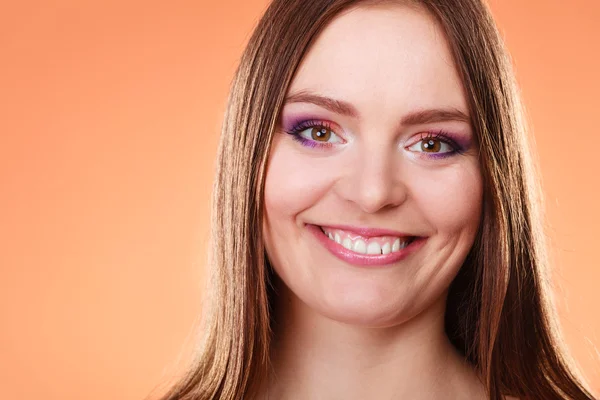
(367, 245)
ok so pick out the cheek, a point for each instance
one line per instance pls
(451, 199)
(292, 184)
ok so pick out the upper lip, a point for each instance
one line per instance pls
(367, 232)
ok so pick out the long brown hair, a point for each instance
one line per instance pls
(498, 312)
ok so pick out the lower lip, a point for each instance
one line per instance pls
(354, 258)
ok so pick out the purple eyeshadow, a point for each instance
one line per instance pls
(440, 156)
(291, 124)
(460, 142)
(307, 143)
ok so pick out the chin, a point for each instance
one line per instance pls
(367, 309)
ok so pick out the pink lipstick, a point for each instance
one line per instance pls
(353, 254)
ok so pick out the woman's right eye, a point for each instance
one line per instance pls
(315, 133)
(320, 134)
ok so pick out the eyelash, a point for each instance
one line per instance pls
(304, 125)
(443, 137)
(440, 135)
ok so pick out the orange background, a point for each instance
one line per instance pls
(109, 119)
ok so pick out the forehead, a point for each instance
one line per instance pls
(384, 59)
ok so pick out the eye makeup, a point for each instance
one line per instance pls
(295, 123)
(458, 143)
(298, 125)
(310, 143)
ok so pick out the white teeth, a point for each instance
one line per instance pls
(386, 249)
(360, 247)
(373, 248)
(347, 243)
(338, 239)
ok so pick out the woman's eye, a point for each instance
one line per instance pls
(432, 145)
(320, 134)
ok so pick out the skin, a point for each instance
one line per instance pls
(350, 332)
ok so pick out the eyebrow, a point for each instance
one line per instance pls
(418, 117)
(336, 106)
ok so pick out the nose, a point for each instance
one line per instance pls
(374, 183)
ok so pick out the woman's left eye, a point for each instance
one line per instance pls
(433, 145)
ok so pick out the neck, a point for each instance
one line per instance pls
(317, 357)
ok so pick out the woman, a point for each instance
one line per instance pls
(375, 231)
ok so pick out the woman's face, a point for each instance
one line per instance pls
(374, 150)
